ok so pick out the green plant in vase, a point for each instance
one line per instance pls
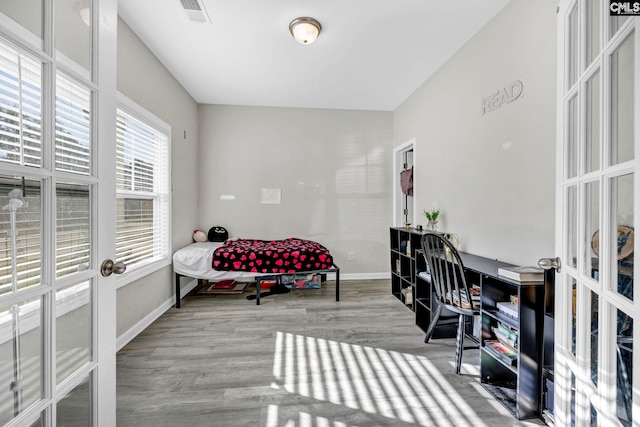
(432, 217)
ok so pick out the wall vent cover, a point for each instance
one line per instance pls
(196, 11)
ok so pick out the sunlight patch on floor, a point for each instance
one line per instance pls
(395, 385)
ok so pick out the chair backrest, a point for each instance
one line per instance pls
(447, 274)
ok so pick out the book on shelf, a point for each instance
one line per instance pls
(522, 274)
(475, 293)
(507, 308)
(407, 294)
(465, 300)
(501, 352)
(506, 335)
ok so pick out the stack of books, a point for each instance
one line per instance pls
(502, 352)
(505, 348)
(507, 335)
(475, 294)
(522, 274)
(475, 297)
(508, 309)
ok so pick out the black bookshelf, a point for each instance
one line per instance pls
(519, 384)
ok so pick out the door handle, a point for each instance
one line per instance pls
(549, 263)
(109, 267)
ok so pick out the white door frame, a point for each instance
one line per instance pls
(398, 162)
(105, 61)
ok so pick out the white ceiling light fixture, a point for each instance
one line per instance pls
(305, 30)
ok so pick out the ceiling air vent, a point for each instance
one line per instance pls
(195, 10)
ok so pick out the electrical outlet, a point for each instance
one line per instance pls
(352, 256)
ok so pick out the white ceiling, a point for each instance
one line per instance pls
(371, 54)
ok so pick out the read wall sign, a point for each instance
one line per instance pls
(505, 95)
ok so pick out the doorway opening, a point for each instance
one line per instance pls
(403, 192)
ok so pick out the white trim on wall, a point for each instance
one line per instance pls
(366, 276)
(143, 324)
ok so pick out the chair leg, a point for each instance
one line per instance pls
(432, 326)
(459, 343)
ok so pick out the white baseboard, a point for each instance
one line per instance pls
(359, 276)
(133, 332)
(190, 286)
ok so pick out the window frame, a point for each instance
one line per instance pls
(146, 267)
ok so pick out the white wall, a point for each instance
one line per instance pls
(333, 167)
(142, 78)
(491, 175)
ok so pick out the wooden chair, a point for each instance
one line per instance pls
(450, 285)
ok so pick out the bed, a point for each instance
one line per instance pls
(252, 259)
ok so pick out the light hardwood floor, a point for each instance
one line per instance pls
(299, 359)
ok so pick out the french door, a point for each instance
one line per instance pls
(596, 369)
(57, 118)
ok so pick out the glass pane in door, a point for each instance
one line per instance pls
(73, 126)
(73, 410)
(40, 422)
(21, 357)
(573, 55)
(573, 399)
(73, 31)
(73, 329)
(21, 107)
(624, 367)
(622, 105)
(622, 241)
(592, 134)
(591, 228)
(574, 313)
(572, 227)
(20, 233)
(572, 138)
(615, 22)
(594, 337)
(592, 45)
(73, 228)
(27, 13)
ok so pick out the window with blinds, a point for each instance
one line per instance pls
(142, 187)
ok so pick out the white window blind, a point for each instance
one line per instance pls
(73, 126)
(20, 107)
(142, 187)
(73, 228)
